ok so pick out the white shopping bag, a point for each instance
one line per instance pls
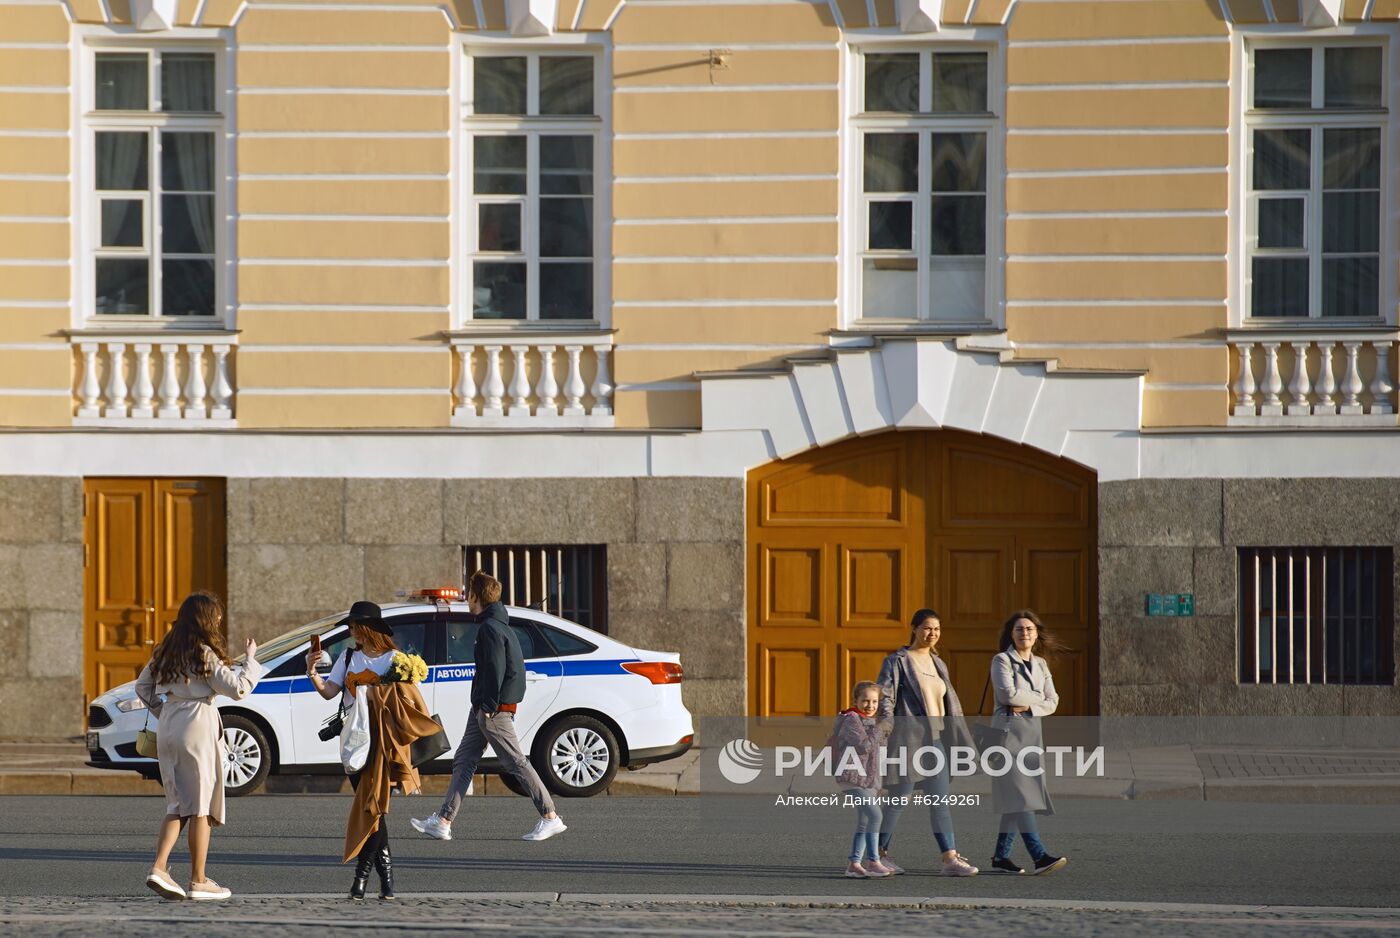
(354, 736)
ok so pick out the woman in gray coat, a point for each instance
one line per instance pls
(188, 670)
(926, 715)
(1025, 692)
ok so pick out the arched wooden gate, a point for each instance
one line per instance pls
(845, 542)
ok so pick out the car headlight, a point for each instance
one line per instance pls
(135, 703)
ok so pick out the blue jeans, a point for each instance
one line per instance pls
(1024, 821)
(935, 786)
(865, 843)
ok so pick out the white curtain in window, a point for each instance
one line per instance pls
(194, 168)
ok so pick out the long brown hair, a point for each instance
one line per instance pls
(1045, 643)
(180, 655)
(372, 642)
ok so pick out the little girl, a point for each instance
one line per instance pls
(857, 729)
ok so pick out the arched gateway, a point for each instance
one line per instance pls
(845, 541)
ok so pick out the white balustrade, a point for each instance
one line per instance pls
(1341, 379)
(524, 381)
(142, 386)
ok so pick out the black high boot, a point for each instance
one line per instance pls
(384, 864)
(362, 864)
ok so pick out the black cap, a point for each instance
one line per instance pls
(368, 614)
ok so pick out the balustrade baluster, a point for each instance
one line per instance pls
(116, 381)
(466, 382)
(194, 384)
(142, 390)
(493, 387)
(1299, 387)
(1381, 388)
(222, 391)
(1326, 384)
(169, 384)
(519, 384)
(1272, 383)
(1351, 382)
(602, 383)
(90, 388)
(574, 387)
(1244, 384)
(547, 388)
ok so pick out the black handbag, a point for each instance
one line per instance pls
(428, 748)
(984, 735)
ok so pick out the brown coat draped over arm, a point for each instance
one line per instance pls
(398, 716)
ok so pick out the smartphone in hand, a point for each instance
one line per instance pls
(314, 656)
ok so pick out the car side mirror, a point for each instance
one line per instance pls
(324, 664)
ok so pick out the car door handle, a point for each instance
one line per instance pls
(533, 676)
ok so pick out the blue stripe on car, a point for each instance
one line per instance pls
(451, 673)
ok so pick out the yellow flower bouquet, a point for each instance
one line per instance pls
(406, 667)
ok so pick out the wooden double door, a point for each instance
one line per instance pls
(148, 544)
(846, 542)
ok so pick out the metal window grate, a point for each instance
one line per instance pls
(569, 581)
(1317, 615)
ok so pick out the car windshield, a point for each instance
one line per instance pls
(289, 640)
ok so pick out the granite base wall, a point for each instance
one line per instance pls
(1182, 536)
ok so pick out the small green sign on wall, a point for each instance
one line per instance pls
(1171, 604)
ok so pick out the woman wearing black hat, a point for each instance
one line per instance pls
(398, 716)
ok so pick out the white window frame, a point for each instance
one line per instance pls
(990, 40)
(1245, 202)
(599, 125)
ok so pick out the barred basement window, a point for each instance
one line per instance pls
(1317, 615)
(567, 581)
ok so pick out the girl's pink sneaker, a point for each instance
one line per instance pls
(875, 869)
(890, 865)
(856, 871)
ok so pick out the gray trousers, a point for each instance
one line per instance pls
(497, 729)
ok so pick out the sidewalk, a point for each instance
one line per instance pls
(1297, 776)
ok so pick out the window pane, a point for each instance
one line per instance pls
(1280, 286)
(1282, 78)
(960, 82)
(959, 225)
(892, 82)
(959, 162)
(122, 223)
(123, 285)
(1351, 158)
(498, 228)
(187, 162)
(566, 228)
(566, 291)
(891, 162)
(122, 82)
(187, 288)
(1350, 286)
(498, 165)
(1281, 159)
(891, 226)
(187, 81)
(1351, 222)
(566, 84)
(187, 224)
(498, 290)
(890, 288)
(566, 165)
(121, 161)
(1352, 77)
(956, 288)
(1281, 223)
(498, 85)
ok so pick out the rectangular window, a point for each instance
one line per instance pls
(152, 133)
(925, 130)
(1316, 135)
(533, 134)
(567, 581)
(1317, 615)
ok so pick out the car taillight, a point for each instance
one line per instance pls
(658, 672)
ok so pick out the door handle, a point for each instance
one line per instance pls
(533, 676)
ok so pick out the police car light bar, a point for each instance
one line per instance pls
(439, 594)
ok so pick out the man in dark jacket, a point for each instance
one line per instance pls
(497, 687)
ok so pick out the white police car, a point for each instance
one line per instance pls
(592, 704)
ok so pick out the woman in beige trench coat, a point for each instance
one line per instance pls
(190, 668)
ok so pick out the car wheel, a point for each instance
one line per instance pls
(247, 758)
(577, 757)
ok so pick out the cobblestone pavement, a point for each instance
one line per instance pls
(278, 916)
(1247, 764)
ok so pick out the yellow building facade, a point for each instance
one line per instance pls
(643, 257)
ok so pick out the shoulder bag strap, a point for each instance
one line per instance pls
(985, 687)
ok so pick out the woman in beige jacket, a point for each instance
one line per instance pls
(189, 669)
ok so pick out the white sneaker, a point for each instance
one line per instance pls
(433, 826)
(546, 828)
(163, 884)
(208, 890)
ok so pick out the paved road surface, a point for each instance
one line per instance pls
(57, 851)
